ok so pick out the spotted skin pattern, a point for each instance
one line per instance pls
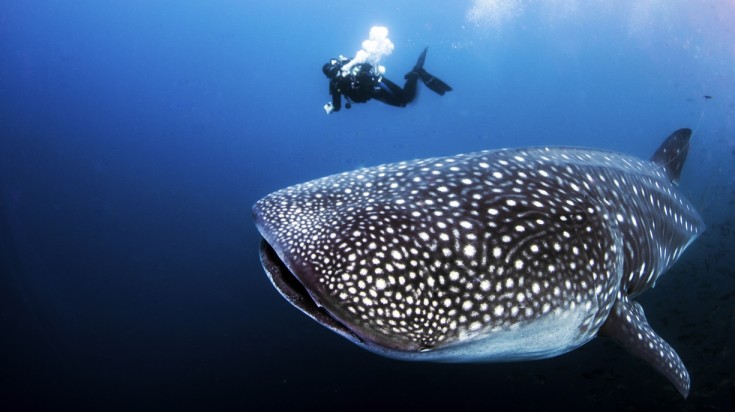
(490, 256)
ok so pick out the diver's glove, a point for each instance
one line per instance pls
(328, 107)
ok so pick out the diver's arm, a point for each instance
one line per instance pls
(336, 96)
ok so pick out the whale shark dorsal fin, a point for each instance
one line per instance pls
(672, 153)
(627, 325)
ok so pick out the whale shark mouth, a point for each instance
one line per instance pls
(291, 288)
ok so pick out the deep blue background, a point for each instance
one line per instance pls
(135, 136)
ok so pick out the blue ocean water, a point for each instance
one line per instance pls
(135, 137)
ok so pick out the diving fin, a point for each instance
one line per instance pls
(433, 83)
(420, 62)
(419, 65)
(429, 80)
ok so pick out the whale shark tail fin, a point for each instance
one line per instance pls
(672, 153)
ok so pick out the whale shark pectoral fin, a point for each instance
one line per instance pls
(627, 325)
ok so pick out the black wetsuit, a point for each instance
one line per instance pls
(362, 83)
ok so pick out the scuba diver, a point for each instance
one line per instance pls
(360, 82)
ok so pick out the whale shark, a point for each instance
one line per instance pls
(493, 256)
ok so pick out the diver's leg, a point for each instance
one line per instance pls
(400, 97)
(409, 89)
(389, 93)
